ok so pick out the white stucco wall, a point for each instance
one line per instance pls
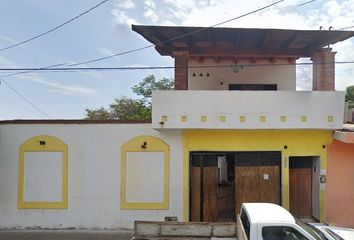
(220, 77)
(94, 164)
(224, 109)
(145, 177)
(43, 177)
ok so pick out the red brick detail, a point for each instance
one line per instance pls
(323, 71)
(181, 72)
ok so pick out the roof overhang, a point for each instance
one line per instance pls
(239, 42)
(345, 135)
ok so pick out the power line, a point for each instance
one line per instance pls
(81, 69)
(152, 45)
(304, 3)
(55, 28)
(16, 105)
(24, 98)
(347, 27)
(29, 71)
(174, 38)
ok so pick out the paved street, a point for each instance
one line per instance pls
(64, 235)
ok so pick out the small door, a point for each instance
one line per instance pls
(210, 194)
(300, 191)
(269, 184)
(204, 187)
(196, 194)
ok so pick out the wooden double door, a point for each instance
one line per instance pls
(257, 178)
(254, 177)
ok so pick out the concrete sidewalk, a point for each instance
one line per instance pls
(65, 235)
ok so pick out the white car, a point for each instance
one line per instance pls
(335, 233)
(266, 221)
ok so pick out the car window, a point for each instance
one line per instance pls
(245, 223)
(281, 233)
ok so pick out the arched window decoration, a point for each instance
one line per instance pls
(43, 173)
(145, 162)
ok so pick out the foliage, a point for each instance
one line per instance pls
(349, 96)
(129, 109)
(125, 108)
(98, 114)
(149, 84)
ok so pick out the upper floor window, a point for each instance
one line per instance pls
(253, 87)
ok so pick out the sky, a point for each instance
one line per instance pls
(107, 30)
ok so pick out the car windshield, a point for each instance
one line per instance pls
(333, 234)
(313, 231)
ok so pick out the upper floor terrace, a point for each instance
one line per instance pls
(209, 59)
(245, 59)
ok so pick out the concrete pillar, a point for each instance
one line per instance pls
(323, 70)
(181, 70)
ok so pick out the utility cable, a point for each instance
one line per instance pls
(55, 28)
(174, 38)
(81, 69)
(151, 45)
(346, 27)
(24, 98)
(29, 71)
(304, 3)
(16, 105)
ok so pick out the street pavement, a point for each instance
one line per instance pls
(65, 235)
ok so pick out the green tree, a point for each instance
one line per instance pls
(124, 108)
(349, 96)
(98, 114)
(129, 109)
(145, 87)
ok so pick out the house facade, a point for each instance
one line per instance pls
(340, 178)
(234, 130)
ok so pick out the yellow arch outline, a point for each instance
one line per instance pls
(52, 144)
(153, 144)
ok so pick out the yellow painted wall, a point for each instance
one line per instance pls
(298, 142)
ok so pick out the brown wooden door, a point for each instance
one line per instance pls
(196, 194)
(210, 194)
(300, 191)
(204, 187)
(246, 185)
(257, 184)
(269, 184)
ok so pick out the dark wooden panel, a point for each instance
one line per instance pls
(300, 162)
(246, 186)
(226, 203)
(300, 192)
(269, 184)
(253, 87)
(195, 194)
(210, 198)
